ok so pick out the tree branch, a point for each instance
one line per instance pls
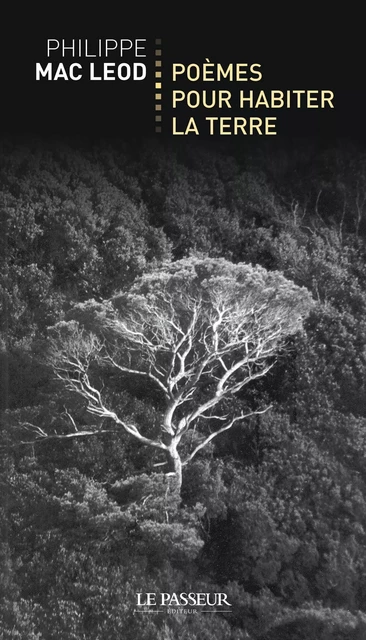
(224, 428)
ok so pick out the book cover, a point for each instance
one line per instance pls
(183, 337)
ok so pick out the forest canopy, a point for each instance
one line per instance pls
(191, 301)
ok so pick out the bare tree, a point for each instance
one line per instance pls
(198, 329)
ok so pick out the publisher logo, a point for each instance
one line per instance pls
(186, 603)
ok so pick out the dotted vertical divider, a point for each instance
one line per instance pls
(158, 85)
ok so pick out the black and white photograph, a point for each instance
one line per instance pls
(182, 334)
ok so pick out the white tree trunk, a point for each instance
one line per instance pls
(174, 468)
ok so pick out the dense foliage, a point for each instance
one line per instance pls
(272, 512)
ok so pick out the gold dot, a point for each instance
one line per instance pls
(158, 63)
(157, 85)
(158, 107)
(158, 52)
(157, 74)
(157, 118)
(158, 96)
